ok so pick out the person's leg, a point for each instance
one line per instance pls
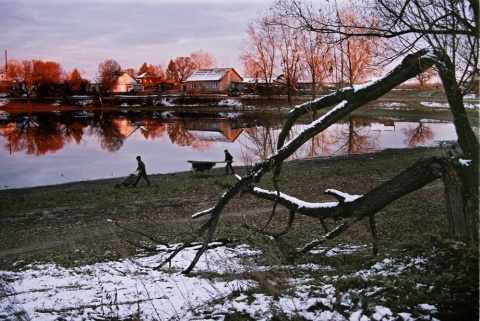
(144, 175)
(146, 178)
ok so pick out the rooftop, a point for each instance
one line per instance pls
(214, 74)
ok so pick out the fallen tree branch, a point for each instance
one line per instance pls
(275, 235)
(411, 179)
(151, 238)
(346, 101)
(357, 207)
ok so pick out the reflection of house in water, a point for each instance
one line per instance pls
(214, 130)
(125, 127)
(385, 126)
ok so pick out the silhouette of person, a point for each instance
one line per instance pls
(142, 172)
(229, 160)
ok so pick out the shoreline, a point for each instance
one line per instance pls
(116, 180)
(71, 223)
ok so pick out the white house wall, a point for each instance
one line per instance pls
(125, 83)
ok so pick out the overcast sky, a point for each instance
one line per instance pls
(83, 33)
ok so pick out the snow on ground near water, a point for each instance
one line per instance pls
(404, 106)
(392, 105)
(120, 289)
(230, 103)
(446, 105)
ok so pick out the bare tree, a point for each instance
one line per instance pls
(450, 28)
(171, 71)
(143, 68)
(259, 51)
(75, 83)
(358, 55)
(184, 68)
(458, 168)
(46, 76)
(425, 77)
(317, 55)
(108, 71)
(289, 51)
(159, 71)
(203, 60)
(22, 73)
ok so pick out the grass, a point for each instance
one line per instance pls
(67, 225)
(75, 215)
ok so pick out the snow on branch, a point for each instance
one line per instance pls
(351, 98)
(341, 196)
(202, 213)
(318, 210)
(346, 100)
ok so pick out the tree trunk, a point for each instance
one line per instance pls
(462, 171)
(461, 202)
(460, 174)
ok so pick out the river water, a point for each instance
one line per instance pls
(58, 147)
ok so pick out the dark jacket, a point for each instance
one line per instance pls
(141, 167)
(228, 158)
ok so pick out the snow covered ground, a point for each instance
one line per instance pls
(116, 290)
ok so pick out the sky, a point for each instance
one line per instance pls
(83, 33)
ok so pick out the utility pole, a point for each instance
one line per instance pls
(6, 71)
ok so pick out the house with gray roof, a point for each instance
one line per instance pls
(215, 80)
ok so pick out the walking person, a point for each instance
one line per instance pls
(142, 172)
(229, 160)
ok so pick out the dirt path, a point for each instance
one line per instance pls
(84, 234)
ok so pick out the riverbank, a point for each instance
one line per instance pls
(75, 224)
(72, 221)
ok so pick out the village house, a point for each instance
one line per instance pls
(153, 82)
(149, 80)
(216, 80)
(126, 83)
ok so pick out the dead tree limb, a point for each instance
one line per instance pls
(355, 208)
(411, 179)
(288, 226)
(346, 100)
(151, 238)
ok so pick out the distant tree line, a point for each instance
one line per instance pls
(48, 78)
(281, 53)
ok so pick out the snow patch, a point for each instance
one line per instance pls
(465, 162)
(119, 289)
(230, 103)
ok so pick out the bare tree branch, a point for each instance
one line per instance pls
(411, 179)
(349, 99)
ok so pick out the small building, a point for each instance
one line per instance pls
(125, 84)
(149, 80)
(6, 83)
(216, 80)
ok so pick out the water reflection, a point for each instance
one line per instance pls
(89, 145)
(418, 135)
